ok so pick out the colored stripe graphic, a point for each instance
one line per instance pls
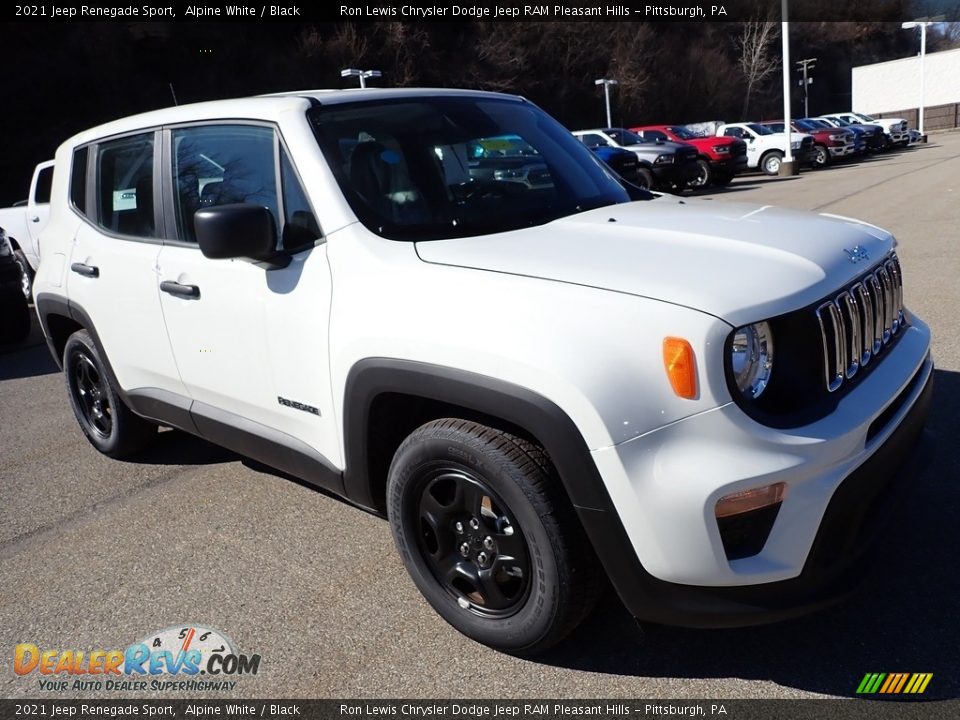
(894, 683)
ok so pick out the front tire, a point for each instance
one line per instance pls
(644, 179)
(821, 156)
(109, 425)
(704, 175)
(489, 537)
(770, 164)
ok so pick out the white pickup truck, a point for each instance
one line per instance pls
(894, 129)
(765, 147)
(23, 222)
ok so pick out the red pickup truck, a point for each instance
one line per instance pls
(718, 158)
(829, 143)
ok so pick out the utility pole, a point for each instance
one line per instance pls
(922, 23)
(788, 166)
(606, 82)
(806, 65)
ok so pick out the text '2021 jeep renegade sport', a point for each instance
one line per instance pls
(536, 382)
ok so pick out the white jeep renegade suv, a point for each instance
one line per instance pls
(537, 383)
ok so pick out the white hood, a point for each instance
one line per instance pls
(739, 262)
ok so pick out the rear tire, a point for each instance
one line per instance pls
(489, 537)
(109, 425)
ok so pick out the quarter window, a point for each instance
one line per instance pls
(44, 184)
(78, 180)
(125, 186)
(300, 227)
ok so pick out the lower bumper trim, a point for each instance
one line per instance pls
(858, 508)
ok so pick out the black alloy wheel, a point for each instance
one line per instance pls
(91, 395)
(109, 425)
(471, 542)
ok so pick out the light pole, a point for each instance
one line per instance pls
(922, 24)
(362, 74)
(805, 65)
(788, 166)
(606, 82)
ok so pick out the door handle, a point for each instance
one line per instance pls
(85, 270)
(35, 218)
(184, 291)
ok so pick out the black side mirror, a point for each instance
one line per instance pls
(237, 231)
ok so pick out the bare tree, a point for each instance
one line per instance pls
(951, 35)
(406, 51)
(755, 61)
(631, 54)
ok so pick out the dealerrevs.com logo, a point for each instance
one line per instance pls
(183, 657)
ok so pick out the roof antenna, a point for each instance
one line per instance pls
(173, 93)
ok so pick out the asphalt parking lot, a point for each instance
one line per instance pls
(97, 554)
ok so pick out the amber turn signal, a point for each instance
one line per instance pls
(681, 368)
(748, 500)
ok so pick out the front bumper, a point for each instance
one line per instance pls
(676, 173)
(838, 471)
(729, 165)
(842, 150)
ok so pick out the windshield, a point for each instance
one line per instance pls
(775, 126)
(438, 167)
(863, 116)
(818, 123)
(760, 129)
(625, 137)
(683, 133)
(804, 125)
(839, 121)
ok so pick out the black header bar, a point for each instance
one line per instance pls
(51, 708)
(416, 11)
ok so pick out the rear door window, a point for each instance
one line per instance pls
(125, 198)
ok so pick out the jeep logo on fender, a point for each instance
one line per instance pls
(298, 405)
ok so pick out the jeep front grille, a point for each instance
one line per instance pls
(858, 323)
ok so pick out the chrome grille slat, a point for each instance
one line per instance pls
(859, 321)
(850, 317)
(876, 297)
(884, 277)
(859, 291)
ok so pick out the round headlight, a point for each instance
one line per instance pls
(751, 358)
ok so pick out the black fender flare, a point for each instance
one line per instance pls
(516, 405)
